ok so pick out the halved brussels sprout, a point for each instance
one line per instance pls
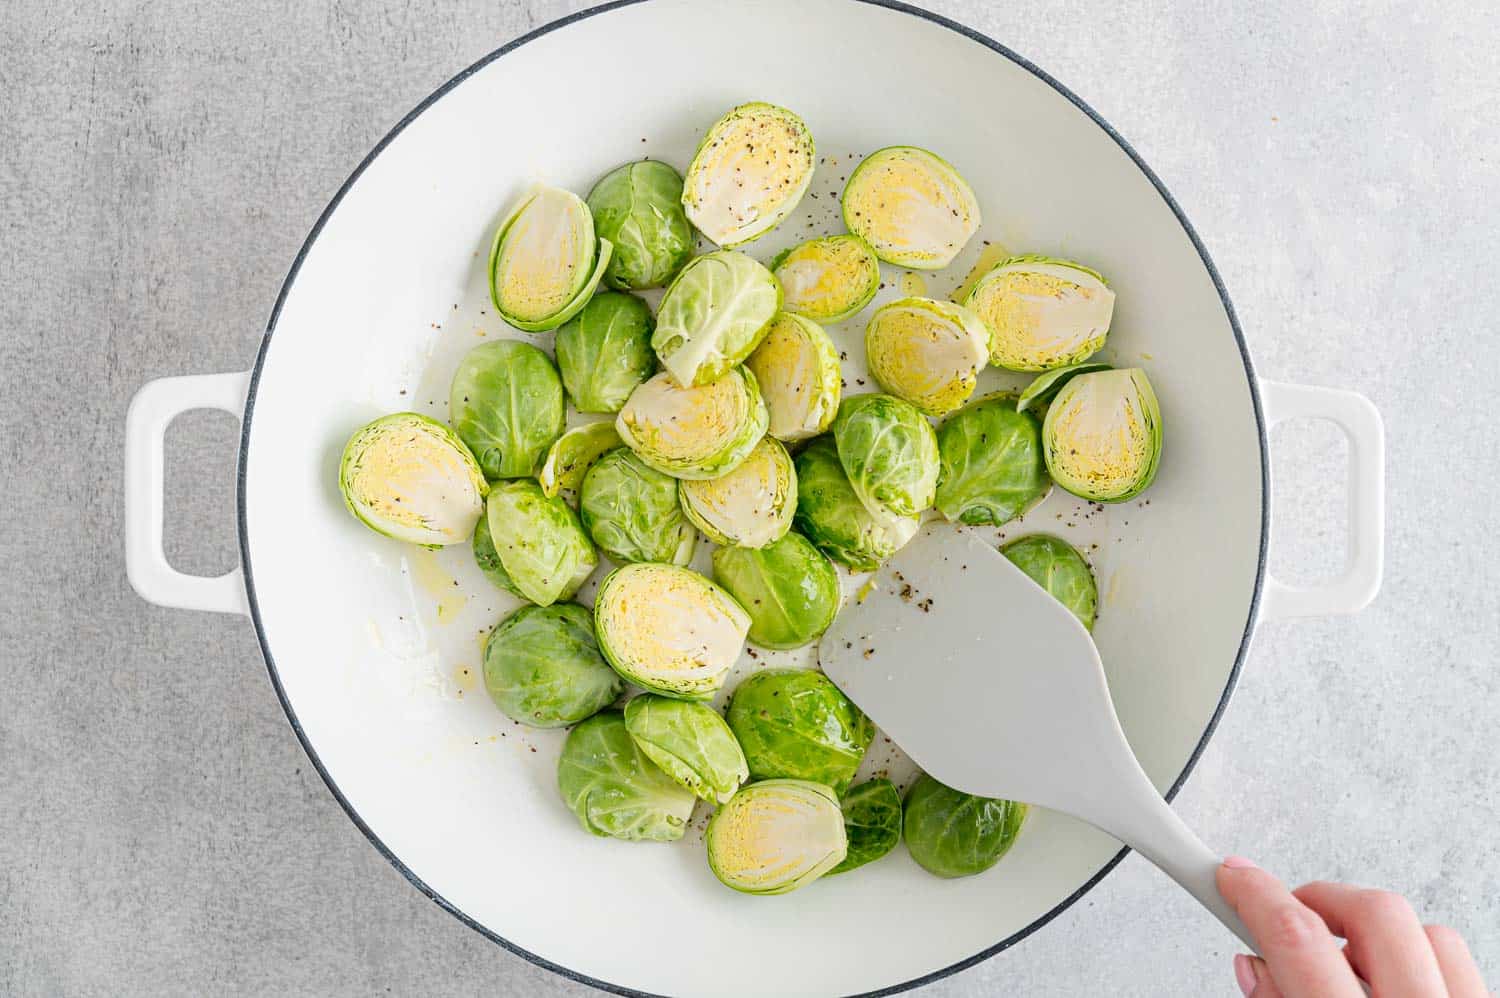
(545, 261)
(669, 629)
(694, 432)
(911, 206)
(713, 316)
(797, 369)
(690, 742)
(638, 208)
(872, 822)
(614, 789)
(605, 351)
(834, 519)
(789, 588)
(1042, 312)
(488, 559)
(953, 834)
(542, 667)
(1059, 568)
(776, 836)
(748, 174)
(796, 723)
(573, 454)
(1047, 384)
(750, 506)
(1102, 435)
(890, 453)
(507, 404)
(631, 511)
(411, 478)
(539, 542)
(827, 279)
(927, 352)
(992, 467)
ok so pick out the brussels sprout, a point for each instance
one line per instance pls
(797, 369)
(1047, 384)
(834, 519)
(890, 453)
(573, 454)
(1102, 435)
(545, 261)
(776, 836)
(796, 723)
(614, 789)
(638, 208)
(927, 352)
(605, 351)
(690, 742)
(750, 506)
(1057, 567)
(542, 667)
(488, 559)
(872, 823)
(748, 174)
(694, 432)
(714, 314)
(507, 404)
(1042, 312)
(631, 512)
(954, 834)
(992, 468)
(911, 206)
(539, 541)
(828, 279)
(789, 588)
(412, 478)
(669, 629)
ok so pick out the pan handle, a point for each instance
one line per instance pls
(1357, 585)
(151, 411)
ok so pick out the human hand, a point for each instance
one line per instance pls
(1299, 931)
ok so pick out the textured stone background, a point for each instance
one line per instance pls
(160, 163)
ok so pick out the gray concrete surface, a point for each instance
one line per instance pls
(160, 163)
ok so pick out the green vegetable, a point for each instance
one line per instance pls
(690, 742)
(776, 836)
(991, 463)
(750, 506)
(795, 723)
(545, 261)
(911, 206)
(638, 208)
(605, 351)
(715, 312)
(954, 834)
(572, 455)
(1102, 435)
(797, 369)
(1049, 383)
(833, 518)
(614, 789)
(828, 279)
(507, 404)
(748, 174)
(872, 822)
(694, 432)
(927, 352)
(539, 541)
(789, 588)
(890, 453)
(542, 667)
(1042, 312)
(411, 478)
(488, 559)
(1057, 567)
(631, 511)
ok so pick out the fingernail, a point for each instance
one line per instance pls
(1238, 863)
(1244, 974)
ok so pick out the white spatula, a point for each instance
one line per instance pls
(996, 689)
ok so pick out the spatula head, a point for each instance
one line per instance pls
(985, 680)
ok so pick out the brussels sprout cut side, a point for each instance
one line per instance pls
(614, 789)
(911, 206)
(776, 836)
(694, 432)
(631, 512)
(954, 834)
(1042, 312)
(872, 823)
(637, 208)
(831, 515)
(890, 453)
(927, 352)
(545, 261)
(829, 279)
(752, 505)
(713, 316)
(1102, 435)
(411, 478)
(690, 742)
(669, 629)
(542, 667)
(539, 542)
(604, 351)
(748, 174)
(797, 369)
(507, 404)
(789, 588)
(573, 454)
(1059, 568)
(991, 463)
(795, 723)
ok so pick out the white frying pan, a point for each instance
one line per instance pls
(375, 653)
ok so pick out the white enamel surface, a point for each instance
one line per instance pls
(378, 652)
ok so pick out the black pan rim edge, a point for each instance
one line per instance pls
(1252, 383)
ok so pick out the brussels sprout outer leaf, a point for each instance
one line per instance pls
(789, 588)
(795, 723)
(638, 208)
(614, 789)
(604, 351)
(631, 511)
(539, 541)
(690, 742)
(1047, 384)
(542, 667)
(507, 405)
(872, 822)
(831, 516)
(954, 834)
(1059, 568)
(992, 466)
(776, 836)
(890, 453)
(412, 479)
(488, 559)
(573, 454)
(713, 315)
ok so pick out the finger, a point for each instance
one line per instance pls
(1254, 978)
(1386, 941)
(1460, 973)
(1303, 957)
